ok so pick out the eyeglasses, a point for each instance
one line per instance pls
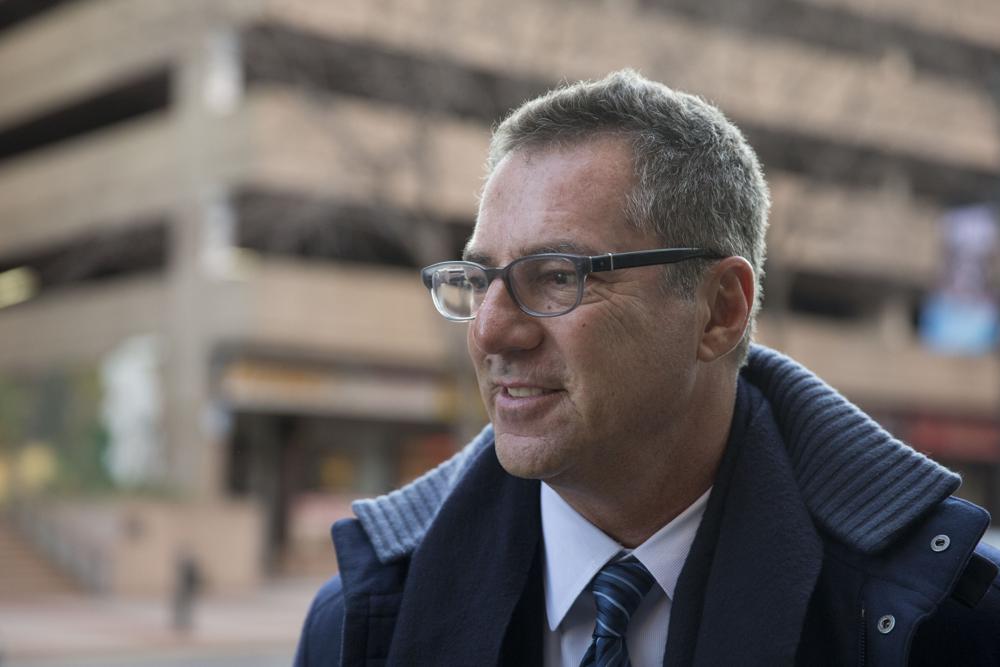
(544, 285)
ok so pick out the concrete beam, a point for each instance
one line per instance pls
(877, 234)
(975, 20)
(767, 81)
(341, 312)
(71, 52)
(79, 325)
(886, 372)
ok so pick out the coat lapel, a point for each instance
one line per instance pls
(372, 593)
(470, 571)
(767, 556)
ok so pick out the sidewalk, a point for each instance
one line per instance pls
(63, 627)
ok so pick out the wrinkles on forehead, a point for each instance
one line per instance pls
(569, 200)
(473, 254)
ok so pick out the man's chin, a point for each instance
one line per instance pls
(529, 456)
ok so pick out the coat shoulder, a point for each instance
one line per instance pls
(320, 641)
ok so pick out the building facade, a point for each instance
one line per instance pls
(213, 212)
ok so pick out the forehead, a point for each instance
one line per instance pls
(568, 198)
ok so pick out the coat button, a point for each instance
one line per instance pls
(940, 542)
(886, 624)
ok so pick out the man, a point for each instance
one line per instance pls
(651, 489)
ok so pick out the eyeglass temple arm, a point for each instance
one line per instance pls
(626, 260)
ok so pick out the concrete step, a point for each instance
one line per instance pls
(24, 572)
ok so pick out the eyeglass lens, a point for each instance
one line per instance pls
(458, 290)
(543, 285)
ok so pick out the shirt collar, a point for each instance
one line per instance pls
(568, 571)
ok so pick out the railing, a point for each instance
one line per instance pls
(72, 540)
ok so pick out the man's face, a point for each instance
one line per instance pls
(576, 397)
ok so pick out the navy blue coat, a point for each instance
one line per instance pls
(772, 578)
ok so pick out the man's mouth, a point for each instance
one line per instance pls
(523, 402)
(525, 392)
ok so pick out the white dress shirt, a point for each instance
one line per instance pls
(575, 550)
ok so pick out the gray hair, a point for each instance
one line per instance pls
(698, 182)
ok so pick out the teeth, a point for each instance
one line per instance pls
(524, 392)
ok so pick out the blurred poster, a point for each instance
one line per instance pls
(961, 316)
(132, 409)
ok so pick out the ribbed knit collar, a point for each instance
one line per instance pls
(861, 485)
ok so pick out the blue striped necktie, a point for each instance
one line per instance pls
(618, 589)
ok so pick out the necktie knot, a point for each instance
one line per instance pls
(618, 589)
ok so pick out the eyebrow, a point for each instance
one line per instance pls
(569, 247)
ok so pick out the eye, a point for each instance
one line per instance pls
(546, 273)
(558, 278)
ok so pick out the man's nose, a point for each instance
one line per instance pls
(501, 326)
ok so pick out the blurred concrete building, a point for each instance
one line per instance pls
(212, 213)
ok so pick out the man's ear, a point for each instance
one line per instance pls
(727, 294)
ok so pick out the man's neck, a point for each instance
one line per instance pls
(629, 521)
(660, 481)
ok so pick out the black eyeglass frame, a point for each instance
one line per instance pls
(584, 265)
